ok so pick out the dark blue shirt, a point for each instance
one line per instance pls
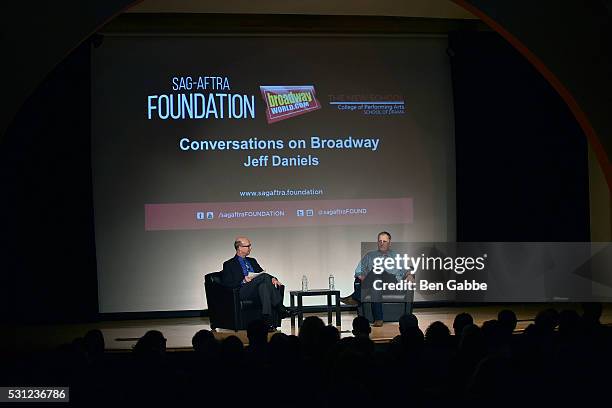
(245, 264)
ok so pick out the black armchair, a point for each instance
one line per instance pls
(226, 310)
(394, 306)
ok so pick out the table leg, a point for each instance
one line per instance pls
(300, 310)
(292, 303)
(338, 323)
(329, 309)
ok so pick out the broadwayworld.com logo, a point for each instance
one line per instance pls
(284, 102)
(458, 264)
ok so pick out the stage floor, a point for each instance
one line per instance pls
(122, 335)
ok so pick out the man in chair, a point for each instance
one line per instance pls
(244, 272)
(363, 276)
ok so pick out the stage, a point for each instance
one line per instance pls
(120, 336)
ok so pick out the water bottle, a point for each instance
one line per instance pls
(332, 286)
(304, 283)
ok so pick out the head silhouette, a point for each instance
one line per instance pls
(461, 320)
(152, 344)
(204, 342)
(361, 327)
(406, 322)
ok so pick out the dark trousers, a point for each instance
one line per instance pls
(262, 290)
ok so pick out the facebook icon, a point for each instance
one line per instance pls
(200, 215)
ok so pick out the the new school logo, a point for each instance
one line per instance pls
(285, 102)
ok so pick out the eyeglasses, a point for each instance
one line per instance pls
(245, 246)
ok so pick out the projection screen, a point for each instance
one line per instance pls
(307, 145)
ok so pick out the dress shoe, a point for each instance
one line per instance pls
(284, 312)
(348, 300)
(378, 323)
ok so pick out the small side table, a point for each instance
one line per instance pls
(314, 292)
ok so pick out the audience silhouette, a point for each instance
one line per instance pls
(561, 358)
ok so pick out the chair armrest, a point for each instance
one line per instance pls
(221, 298)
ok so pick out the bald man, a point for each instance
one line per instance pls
(262, 288)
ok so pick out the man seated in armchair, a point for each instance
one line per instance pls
(365, 279)
(255, 284)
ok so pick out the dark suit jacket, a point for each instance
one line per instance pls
(232, 275)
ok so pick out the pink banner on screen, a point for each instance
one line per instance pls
(262, 214)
